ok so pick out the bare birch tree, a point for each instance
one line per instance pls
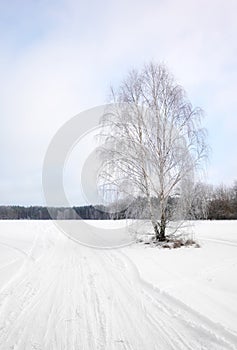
(154, 143)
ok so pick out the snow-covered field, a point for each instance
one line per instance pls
(58, 295)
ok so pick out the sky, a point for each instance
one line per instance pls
(58, 58)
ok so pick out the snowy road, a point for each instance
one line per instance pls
(66, 296)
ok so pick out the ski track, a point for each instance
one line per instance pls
(76, 298)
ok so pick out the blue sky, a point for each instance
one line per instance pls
(60, 57)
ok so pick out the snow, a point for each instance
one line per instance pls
(56, 294)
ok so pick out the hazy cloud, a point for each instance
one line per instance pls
(59, 58)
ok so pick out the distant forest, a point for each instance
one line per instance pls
(218, 203)
(42, 213)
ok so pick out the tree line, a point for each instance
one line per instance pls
(41, 213)
(223, 202)
(208, 202)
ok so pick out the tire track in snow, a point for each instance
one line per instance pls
(187, 316)
(74, 297)
(21, 251)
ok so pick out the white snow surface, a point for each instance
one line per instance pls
(56, 294)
